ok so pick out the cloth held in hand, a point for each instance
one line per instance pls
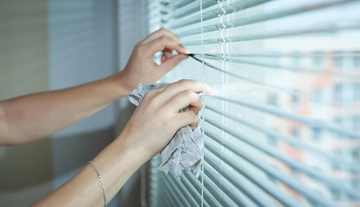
(186, 149)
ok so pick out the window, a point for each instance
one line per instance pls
(338, 92)
(339, 62)
(295, 132)
(357, 62)
(295, 98)
(356, 154)
(272, 99)
(356, 183)
(356, 122)
(338, 120)
(265, 54)
(272, 179)
(356, 91)
(318, 61)
(335, 195)
(316, 95)
(315, 133)
(272, 141)
(296, 62)
(294, 172)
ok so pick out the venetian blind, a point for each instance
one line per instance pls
(283, 129)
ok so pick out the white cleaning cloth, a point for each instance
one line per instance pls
(186, 149)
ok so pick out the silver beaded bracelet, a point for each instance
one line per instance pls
(101, 183)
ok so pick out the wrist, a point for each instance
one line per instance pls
(116, 164)
(121, 84)
(127, 140)
(118, 85)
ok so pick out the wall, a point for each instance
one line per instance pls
(25, 171)
(81, 49)
(132, 27)
(50, 45)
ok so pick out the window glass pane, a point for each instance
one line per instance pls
(284, 65)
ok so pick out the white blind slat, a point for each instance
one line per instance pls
(248, 196)
(294, 142)
(284, 127)
(208, 196)
(271, 171)
(268, 150)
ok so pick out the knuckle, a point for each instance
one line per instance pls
(150, 93)
(189, 94)
(163, 39)
(168, 124)
(154, 101)
(162, 30)
(148, 96)
(183, 83)
(138, 51)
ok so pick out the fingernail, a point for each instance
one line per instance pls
(183, 57)
(215, 89)
(186, 51)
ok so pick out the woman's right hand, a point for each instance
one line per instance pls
(157, 118)
(141, 68)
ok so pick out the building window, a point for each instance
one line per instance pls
(316, 95)
(272, 99)
(318, 62)
(295, 132)
(272, 141)
(356, 91)
(296, 61)
(316, 133)
(356, 154)
(357, 62)
(335, 195)
(356, 123)
(338, 92)
(271, 178)
(295, 98)
(356, 183)
(338, 120)
(336, 167)
(338, 62)
(294, 172)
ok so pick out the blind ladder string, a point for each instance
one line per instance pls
(203, 117)
(221, 27)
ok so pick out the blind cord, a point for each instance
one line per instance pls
(203, 117)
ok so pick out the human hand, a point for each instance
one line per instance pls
(141, 68)
(157, 118)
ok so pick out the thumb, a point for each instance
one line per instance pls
(171, 62)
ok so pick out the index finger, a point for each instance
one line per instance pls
(171, 90)
(161, 44)
(161, 32)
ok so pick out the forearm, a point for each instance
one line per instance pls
(149, 130)
(116, 163)
(38, 115)
(30, 117)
